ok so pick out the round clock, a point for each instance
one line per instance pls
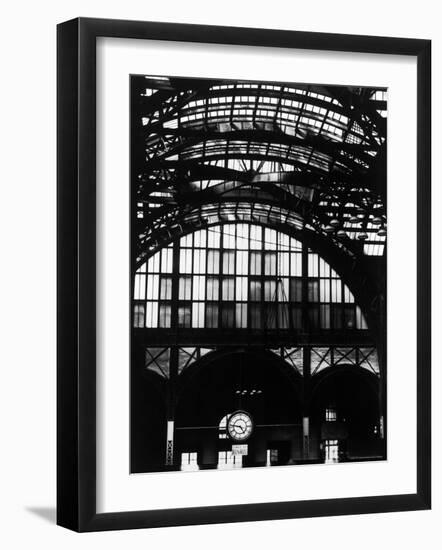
(240, 425)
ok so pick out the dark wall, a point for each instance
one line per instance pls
(208, 392)
(148, 423)
(353, 392)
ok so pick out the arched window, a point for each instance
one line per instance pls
(242, 276)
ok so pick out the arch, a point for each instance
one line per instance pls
(187, 376)
(306, 161)
(343, 256)
(321, 377)
(356, 275)
(351, 395)
(230, 132)
(298, 214)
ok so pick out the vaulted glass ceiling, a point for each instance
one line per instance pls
(308, 157)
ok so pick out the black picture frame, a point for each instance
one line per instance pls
(76, 274)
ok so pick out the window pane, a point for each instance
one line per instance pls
(242, 259)
(324, 268)
(313, 265)
(186, 241)
(185, 288)
(166, 288)
(229, 236)
(241, 288)
(296, 316)
(213, 261)
(313, 316)
(241, 315)
(348, 296)
(284, 291)
(324, 290)
(337, 316)
(166, 260)
(283, 263)
(296, 289)
(270, 316)
(270, 239)
(283, 241)
(140, 287)
(199, 261)
(255, 290)
(255, 263)
(211, 315)
(165, 310)
(283, 316)
(349, 317)
(213, 237)
(242, 236)
(256, 237)
(152, 287)
(153, 264)
(139, 315)
(151, 314)
(269, 290)
(270, 263)
(186, 261)
(313, 291)
(360, 320)
(325, 316)
(184, 316)
(212, 288)
(228, 262)
(199, 287)
(336, 294)
(198, 315)
(296, 264)
(255, 315)
(228, 315)
(228, 288)
(199, 238)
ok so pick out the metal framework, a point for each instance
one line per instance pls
(308, 157)
(217, 165)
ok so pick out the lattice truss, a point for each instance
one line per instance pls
(309, 157)
(323, 357)
(158, 359)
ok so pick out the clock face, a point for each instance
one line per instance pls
(240, 426)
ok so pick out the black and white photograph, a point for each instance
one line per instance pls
(219, 254)
(258, 274)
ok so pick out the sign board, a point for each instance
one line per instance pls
(240, 450)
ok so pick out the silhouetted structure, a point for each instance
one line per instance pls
(259, 273)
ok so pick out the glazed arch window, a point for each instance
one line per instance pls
(242, 276)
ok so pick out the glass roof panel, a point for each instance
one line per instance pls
(265, 143)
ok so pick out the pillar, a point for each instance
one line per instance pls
(170, 406)
(306, 436)
(173, 360)
(169, 442)
(306, 371)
